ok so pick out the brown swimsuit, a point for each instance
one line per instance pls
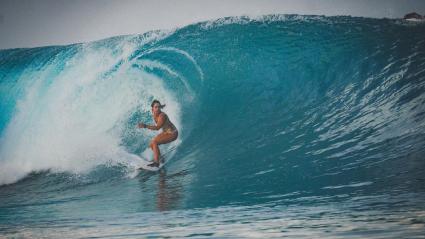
(168, 127)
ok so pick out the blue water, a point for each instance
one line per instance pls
(290, 126)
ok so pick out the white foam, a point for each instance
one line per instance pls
(246, 19)
(184, 53)
(155, 64)
(76, 122)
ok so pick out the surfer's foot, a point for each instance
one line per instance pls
(154, 164)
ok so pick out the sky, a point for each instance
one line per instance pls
(33, 23)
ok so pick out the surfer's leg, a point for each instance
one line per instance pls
(155, 149)
(162, 138)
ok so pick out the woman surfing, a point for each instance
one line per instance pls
(169, 131)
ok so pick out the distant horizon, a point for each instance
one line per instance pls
(30, 23)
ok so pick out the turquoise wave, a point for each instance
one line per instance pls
(286, 109)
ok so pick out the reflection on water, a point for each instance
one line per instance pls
(169, 191)
(165, 189)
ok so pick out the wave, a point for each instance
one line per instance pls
(266, 106)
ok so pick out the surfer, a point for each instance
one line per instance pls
(169, 131)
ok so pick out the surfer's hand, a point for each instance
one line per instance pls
(141, 125)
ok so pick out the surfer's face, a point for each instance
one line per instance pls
(156, 108)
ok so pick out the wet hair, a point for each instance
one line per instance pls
(157, 101)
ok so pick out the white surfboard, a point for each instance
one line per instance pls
(144, 165)
(164, 159)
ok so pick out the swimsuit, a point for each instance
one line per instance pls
(168, 127)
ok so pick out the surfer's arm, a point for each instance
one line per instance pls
(159, 124)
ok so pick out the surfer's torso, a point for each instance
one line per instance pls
(167, 127)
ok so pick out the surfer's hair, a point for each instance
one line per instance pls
(157, 101)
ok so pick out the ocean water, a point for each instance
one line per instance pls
(290, 126)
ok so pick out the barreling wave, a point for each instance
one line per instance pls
(268, 108)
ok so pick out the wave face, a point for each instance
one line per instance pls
(281, 110)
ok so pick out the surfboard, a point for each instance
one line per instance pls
(144, 165)
(164, 159)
